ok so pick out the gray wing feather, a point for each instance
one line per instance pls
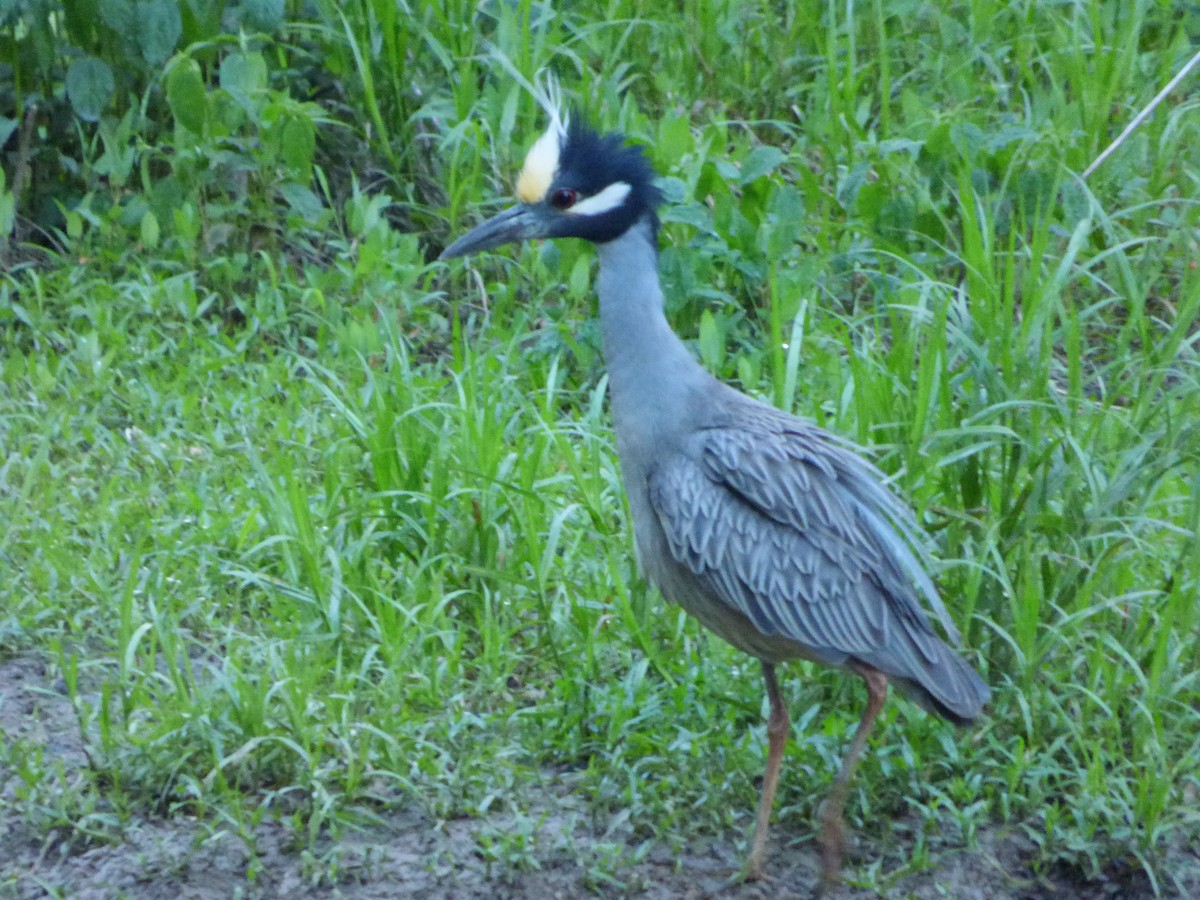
(803, 584)
(791, 529)
(783, 529)
(801, 477)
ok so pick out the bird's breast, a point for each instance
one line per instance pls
(675, 581)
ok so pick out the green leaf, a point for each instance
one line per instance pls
(302, 201)
(694, 214)
(187, 223)
(120, 150)
(852, 182)
(899, 145)
(674, 190)
(158, 29)
(226, 115)
(74, 225)
(298, 143)
(263, 15)
(674, 138)
(169, 193)
(90, 86)
(201, 20)
(787, 205)
(897, 216)
(149, 228)
(244, 73)
(871, 199)
(186, 95)
(762, 160)
(712, 345)
(580, 277)
(968, 138)
(131, 214)
(937, 144)
(119, 16)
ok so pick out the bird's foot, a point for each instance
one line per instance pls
(824, 885)
(752, 868)
(750, 873)
(831, 839)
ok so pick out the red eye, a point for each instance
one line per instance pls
(564, 198)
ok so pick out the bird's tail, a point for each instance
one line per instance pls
(944, 683)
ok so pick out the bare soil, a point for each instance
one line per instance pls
(410, 854)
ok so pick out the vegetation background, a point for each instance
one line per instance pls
(307, 533)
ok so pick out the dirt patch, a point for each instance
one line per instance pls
(554, 852)
(35, 710)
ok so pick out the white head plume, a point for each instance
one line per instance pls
(541, 163)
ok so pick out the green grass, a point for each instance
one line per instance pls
(315, 534)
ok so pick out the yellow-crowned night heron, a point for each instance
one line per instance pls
(772, 532)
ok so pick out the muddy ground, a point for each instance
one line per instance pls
(410, 854)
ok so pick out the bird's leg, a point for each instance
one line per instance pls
(832, 837)
(777, 734)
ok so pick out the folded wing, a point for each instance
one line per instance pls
(798, 534)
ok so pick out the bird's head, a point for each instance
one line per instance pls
(575, 183)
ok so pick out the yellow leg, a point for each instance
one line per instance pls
(777, 734)
(832, 834)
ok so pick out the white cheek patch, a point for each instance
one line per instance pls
(541, 164)
(608, 199)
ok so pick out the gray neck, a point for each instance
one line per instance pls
(651, 373)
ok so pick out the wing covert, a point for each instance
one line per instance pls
(779, 527)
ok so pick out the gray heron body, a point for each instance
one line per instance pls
(771, 531)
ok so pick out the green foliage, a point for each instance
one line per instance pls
(241, 155)
(90, 86)
(96, 79)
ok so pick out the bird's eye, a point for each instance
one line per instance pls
(564, 198)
